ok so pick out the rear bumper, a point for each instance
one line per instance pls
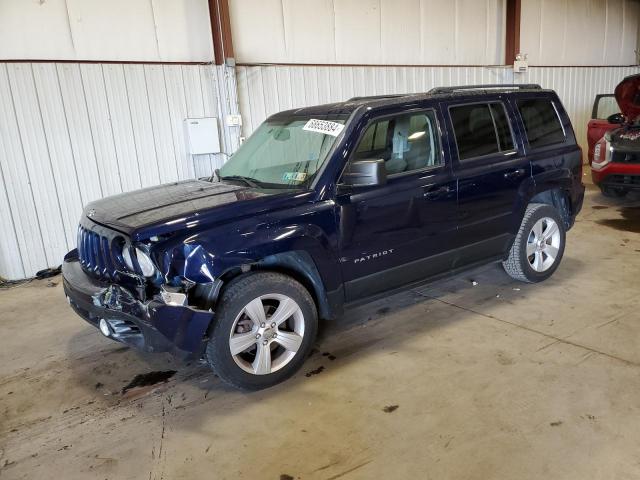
(152, 326)
(622, 175)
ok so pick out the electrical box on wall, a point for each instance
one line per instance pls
(202, 135)
(521, 65)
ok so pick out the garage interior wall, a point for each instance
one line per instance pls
(74, 132)
(577, 47)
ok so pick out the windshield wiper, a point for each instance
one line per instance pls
(248, 180)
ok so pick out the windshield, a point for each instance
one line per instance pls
(284, 152)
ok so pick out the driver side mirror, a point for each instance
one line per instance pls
(615, 118)
(365, 173)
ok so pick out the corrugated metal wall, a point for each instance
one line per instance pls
(72, 133)
(263, 90)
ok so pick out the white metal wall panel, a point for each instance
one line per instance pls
(580, 32)
(71, 133)
(131, 30)
(265, 90)
(374, 32)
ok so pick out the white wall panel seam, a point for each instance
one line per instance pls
(73, 155)
(113, 137)
(177, 160)
(93, 142)
(136, 146)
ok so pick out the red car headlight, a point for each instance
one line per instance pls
(601, 154)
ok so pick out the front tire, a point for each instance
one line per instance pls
(264, 330)
(539, 245)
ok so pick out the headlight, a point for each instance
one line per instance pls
(147, 268)
(146, 264)
(601, 154)
(126, 254)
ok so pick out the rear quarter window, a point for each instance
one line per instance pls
(541, 122)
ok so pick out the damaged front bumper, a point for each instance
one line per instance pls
(150, 325)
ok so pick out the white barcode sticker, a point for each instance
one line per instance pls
(323, 126)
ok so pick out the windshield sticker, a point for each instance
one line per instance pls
(324, 126)
(294, 176)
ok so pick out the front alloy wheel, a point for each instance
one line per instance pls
(267, 334)
(264, 328)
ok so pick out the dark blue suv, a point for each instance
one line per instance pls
(324, 207)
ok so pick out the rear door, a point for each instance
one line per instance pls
(604, 106)
(490, 167)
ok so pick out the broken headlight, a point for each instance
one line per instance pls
(143, 260)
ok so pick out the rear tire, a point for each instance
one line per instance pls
(264, 329)
(539, 245)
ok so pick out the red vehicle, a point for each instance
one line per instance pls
(614, 139)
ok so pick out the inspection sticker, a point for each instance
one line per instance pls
(294, 176)
(323, 126)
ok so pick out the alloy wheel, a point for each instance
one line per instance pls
(266, 334)
(543, 244)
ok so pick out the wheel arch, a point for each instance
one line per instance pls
(297, 264)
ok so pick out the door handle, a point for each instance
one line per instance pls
(437, 192)
(515, 173)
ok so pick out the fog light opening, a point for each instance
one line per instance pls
(104, 327)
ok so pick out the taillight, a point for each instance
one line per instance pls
(601, 154)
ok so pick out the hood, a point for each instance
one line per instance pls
(628, 97)
(168, 204)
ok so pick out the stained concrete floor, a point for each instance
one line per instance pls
(500, 380)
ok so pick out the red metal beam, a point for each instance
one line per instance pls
(220, 30)
(512, 39)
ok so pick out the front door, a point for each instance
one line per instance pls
(490, 169)
(400, 232)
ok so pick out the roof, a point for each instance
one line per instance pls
(348, 106)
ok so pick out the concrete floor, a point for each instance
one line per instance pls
(500, 380)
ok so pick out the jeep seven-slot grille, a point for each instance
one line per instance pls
(96, 253)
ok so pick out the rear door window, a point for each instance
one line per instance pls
(541, 122)
(481, 129)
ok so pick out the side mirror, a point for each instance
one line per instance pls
(365, 173)
(615, 118)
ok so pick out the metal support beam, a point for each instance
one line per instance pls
(221, 31)
(512, 40)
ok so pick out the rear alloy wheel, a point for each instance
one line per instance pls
(539, 245)
(265, 328)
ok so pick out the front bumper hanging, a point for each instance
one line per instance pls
(150, 325)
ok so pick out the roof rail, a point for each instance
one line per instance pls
(378, 97)
(502, 86)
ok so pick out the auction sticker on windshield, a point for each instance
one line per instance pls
(323, 126)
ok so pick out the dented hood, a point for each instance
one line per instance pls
(628, 97)
(165, 203)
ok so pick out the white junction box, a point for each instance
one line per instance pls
(202, 135)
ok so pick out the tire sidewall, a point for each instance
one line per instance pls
(541, 212)
(218, 351)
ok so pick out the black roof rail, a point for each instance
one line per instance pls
(378, 97)
(502, 86)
